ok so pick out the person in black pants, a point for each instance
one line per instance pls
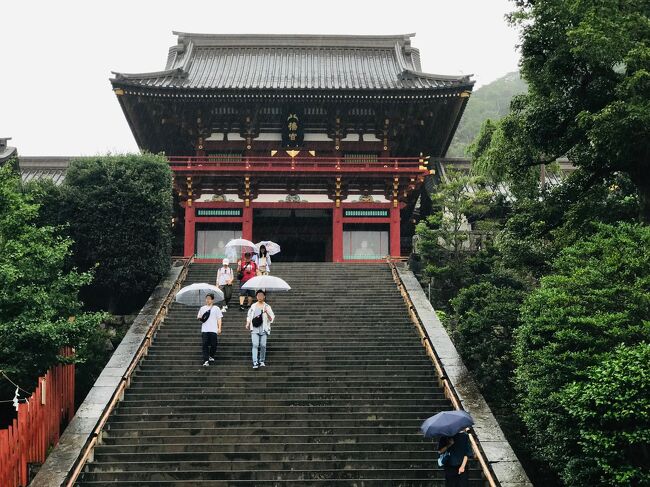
(210, 316)
(455, 452)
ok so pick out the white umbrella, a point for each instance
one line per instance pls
(237, 246)
(271, 247)
(268, 283)
(194, 294)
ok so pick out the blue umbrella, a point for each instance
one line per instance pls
(446, 423)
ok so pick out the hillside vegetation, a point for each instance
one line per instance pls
(491, 101)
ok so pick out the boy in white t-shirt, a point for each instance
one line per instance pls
(210, 328)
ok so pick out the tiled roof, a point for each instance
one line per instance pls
(206, 61)
(35, 168)
(6, 151)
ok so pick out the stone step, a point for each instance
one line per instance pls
(274, 475)
(261, 437)
(290, 410)
(265, 456)
(402, 482)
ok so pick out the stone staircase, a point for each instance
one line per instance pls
(340, 402)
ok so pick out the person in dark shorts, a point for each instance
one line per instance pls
(246, 269)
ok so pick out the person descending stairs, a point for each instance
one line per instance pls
(345, 388)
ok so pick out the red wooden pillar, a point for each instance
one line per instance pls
(337, 234)
(395, 250)
(189, 247)
(247, 223)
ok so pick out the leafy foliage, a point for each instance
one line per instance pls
(444, 236)
(39, 305)
(587, 64)
(597, 297)
(612, 410)
(117, 210)
(486, 316)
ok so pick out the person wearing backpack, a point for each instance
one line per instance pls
(210, 318)
(455, 452)
(225, 277)
(259, 319)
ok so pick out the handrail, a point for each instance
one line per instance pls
(447, 386)
(315, 163)
(125, 381)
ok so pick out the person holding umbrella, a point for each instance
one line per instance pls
(210, 317)
(455, 452)
(246, 269)
(263, 261)
(454, 446)
(259, 319)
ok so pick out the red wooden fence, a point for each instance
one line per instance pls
(38, 424)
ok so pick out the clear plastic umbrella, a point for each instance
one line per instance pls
(238, 246)
(194, 294)
(271, 247)
(268, 283)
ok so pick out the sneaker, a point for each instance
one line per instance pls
(262, 364)
(224, 309)
(206, 363)
(241, 307)
(256, 366)
(211, 359)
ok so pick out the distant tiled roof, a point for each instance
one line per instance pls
(6, 151)
(209, 61)
(47, 167)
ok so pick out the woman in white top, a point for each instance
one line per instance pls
(259, 319)
(225, 277)
(263, 261)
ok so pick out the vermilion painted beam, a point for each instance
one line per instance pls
(337, 234)
(247, 223)
(395, 250)
(190, 234)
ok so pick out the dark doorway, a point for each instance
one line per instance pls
(305, 235)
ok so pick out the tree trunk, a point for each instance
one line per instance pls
(641, 180)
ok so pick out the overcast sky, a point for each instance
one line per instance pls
(57, 56)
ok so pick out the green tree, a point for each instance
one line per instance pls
(117, 210)
(587, 65)
(39, 304)
(612, 410)
(539, 227)
(444, 235)
(597, 297)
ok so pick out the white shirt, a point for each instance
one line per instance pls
(211, 324)
(224, 275)
(260, 261)
(267, 318)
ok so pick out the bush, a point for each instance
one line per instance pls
(611, 408)
(486, 316)
(117, 210)
(597, 297)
